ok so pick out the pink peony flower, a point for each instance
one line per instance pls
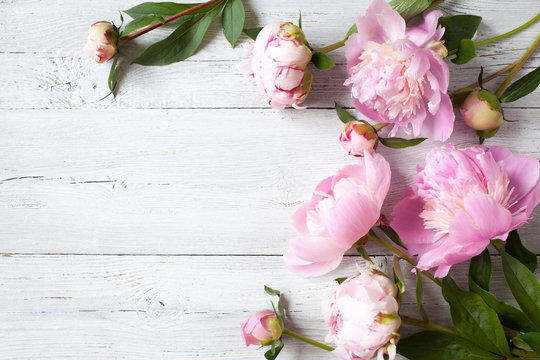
(278, 63)
(463, 198)
(362, 314)
(261, 328)
(358, 137)
(396, 73)
(342, 210)
(102, 41)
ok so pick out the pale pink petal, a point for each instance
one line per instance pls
(440, 126)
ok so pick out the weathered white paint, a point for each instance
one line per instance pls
(143, 227)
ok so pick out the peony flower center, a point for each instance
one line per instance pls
(382, 80)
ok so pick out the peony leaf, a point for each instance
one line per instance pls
(433, 345)
(466, 52)
(253, 32)
(274, 351)
(232, 20)
(340, 280)
(363, 253)
(524, 86)
(183, 42)
(300, 19)
(164, 9)
(322, 61)
(141, 22)
(480, 269)
(400, 143)
(113, 75)
(508, 315)
(419, 292)
(344, 115)
(474, 319)
(524, 286)
(515, 248)
(410, 8)
(457, 28)
(392, 235)
(532, 339)
(352, 30)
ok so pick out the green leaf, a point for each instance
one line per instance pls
(392, 235)
(480, 269)
(433, 345)
(141, 22)
(352, 30)
(253, 32)
(343, 115)
(419, 292)
(458, 27)
(399, 280)
(274, 351)
(322, 61)
(400, 143)
(232, 20)
(164, 9)
(466, 52)
(113, 75)
(515, 248)
(300, 19)
(410, 8)
(508, 315)
(524, 86)
(340, 279)
(481, 78)
(474, 319)
(491, 99)
(271, 291)
(362, 252)
(183, 42)
(524, 286)
(532, 339)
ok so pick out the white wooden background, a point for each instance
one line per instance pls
(144, 227)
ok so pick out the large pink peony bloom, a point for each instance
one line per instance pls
(396, 72)
(463, 198)
(362, 315)
(278, 63)
(342, 210)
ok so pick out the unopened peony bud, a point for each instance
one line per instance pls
(438, 47)
(102, 41)
(278, 63)
(357, 137)
(262, 328)
(482, 111)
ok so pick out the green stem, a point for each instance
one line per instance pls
(307, 340)
(333, 46)
(402, 255)
(502, 36)
(488, 78)
(428, 325)
(518, 67)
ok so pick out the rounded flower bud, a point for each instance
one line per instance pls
(362, 314)
(278, 63)
(102, 41)
(357, 137)
(262, 328)
(482, 111)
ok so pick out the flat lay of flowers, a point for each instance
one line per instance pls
(465, 204)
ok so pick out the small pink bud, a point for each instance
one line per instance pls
(438, 47)
(482, 111)
(102, 41)
(262, 328)
(357, 137)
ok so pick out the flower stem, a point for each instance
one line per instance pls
(307, 340)
(402, 255)
(167, 20)
(428, 325)
(333, 46)
(490, 77)
(502, 36)
(518, 67)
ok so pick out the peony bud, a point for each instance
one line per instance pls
(102, 41)
(438, 47)
(357, 137)
(482, 111)
(278, 63)
(262, 328)
(362, 315)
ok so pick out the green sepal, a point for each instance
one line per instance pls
(344, 115)
(490, 98)
(322, 61)
(253, 32)
(459, 96)
(400, 143)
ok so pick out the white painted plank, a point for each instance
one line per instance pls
(184, 181)
(166, 307)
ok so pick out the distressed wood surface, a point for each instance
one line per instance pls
(143, 227)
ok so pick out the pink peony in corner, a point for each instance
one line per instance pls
(278, 63)
(397, 74)
(461, 200)
(261, 328)
(362, 315)
(343, 208)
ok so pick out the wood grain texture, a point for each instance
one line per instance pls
(143, 227)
